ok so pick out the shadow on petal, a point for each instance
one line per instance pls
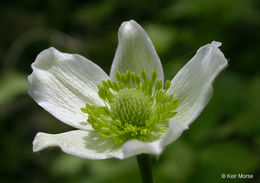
(100, 145)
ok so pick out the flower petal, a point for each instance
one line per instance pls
(135, 52)
(78, 143)
(87, 144)
(193, 83)
(132, 148)
(63, 83)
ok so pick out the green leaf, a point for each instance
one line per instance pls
(229, 157)
(12, 85)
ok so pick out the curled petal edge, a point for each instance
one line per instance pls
(80, 143)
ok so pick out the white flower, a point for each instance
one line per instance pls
(64, 83)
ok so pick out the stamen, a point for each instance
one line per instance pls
(137, 108)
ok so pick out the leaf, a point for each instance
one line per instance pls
(12, 85)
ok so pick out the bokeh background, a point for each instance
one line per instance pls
(224, 139)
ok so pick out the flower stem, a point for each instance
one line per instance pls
(145, 168)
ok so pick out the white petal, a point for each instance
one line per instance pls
(78, 143)
(193, 83)
(131, 148)
(87, 144)
(135, 51)
(63, 83)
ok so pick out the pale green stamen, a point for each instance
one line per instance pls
(137, 108)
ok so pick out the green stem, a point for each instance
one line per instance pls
(145, 168)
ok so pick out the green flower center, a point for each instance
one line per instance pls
(131, 106)
(136, 108)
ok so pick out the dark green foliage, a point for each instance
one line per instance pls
(224, 139)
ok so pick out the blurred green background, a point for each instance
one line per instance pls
(224, 139)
